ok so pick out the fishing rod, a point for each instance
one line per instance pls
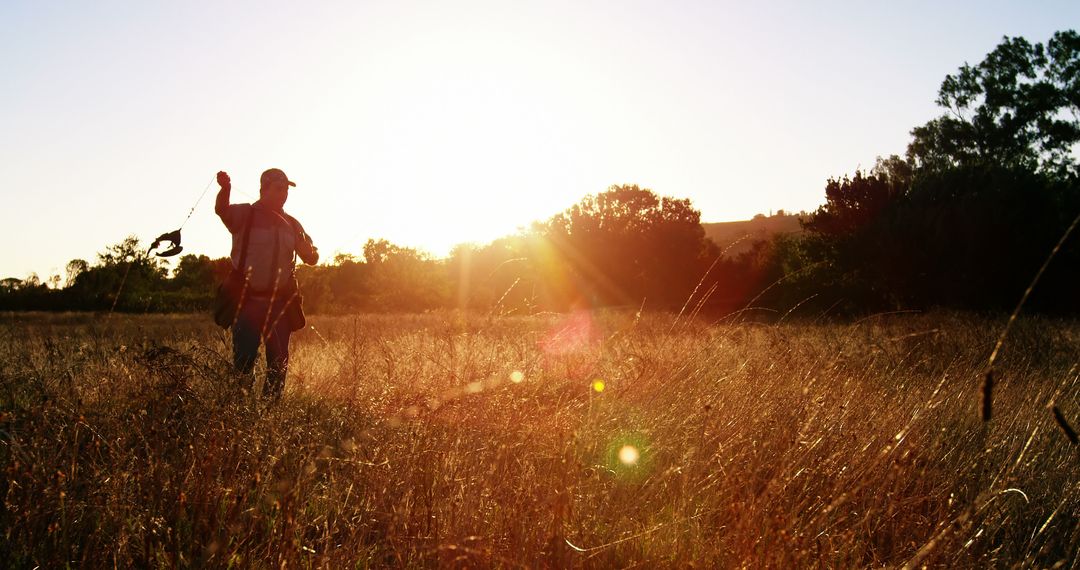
(172, 239)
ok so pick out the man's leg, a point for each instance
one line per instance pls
(245, 340)
(277, 359)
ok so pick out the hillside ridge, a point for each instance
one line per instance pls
(759, 228)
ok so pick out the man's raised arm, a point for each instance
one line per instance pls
(221, 205)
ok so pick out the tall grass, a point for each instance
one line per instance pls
(405, 441)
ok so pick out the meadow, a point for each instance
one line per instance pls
(586, 440)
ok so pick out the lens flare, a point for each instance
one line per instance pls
(598, 385)
(575, 333)
(516, 377)
(629, 455)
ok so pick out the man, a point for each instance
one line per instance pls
(265, 243)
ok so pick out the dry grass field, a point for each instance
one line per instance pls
(585, 441)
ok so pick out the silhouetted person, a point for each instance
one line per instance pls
(269, 310)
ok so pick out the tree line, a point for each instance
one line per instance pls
(968, 216)
(964, 219)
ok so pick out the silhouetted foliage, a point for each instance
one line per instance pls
(974, 237)
(851, 204)
(404, 279)
(971, 214)
(125, 277)
(1017, 108)
(391, 278)
(627, 245)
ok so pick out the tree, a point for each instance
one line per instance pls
(74, 268)
(345, 285)
(196, 273)
(628, 245)
(125, 276)
(851, 204)
(984, 193)
(342, 258)
(403, 278)
(1017, 108)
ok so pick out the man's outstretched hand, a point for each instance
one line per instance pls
(221, 205)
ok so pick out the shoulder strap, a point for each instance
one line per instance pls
(247, 238)
(275, 269)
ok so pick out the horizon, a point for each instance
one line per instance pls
(328, 258)
(431, 125)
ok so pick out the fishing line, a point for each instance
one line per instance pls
(173, 237)
(192, 211)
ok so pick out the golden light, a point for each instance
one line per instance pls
(574, 333)
(516, 377)
(629, 455)
(598, 385)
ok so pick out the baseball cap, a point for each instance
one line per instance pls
(274, 175)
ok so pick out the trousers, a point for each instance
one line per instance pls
(259, 321)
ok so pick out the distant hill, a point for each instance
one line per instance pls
(749, 231)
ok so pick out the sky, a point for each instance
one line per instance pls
(436, 123)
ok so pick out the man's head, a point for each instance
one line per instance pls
(274, 188)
